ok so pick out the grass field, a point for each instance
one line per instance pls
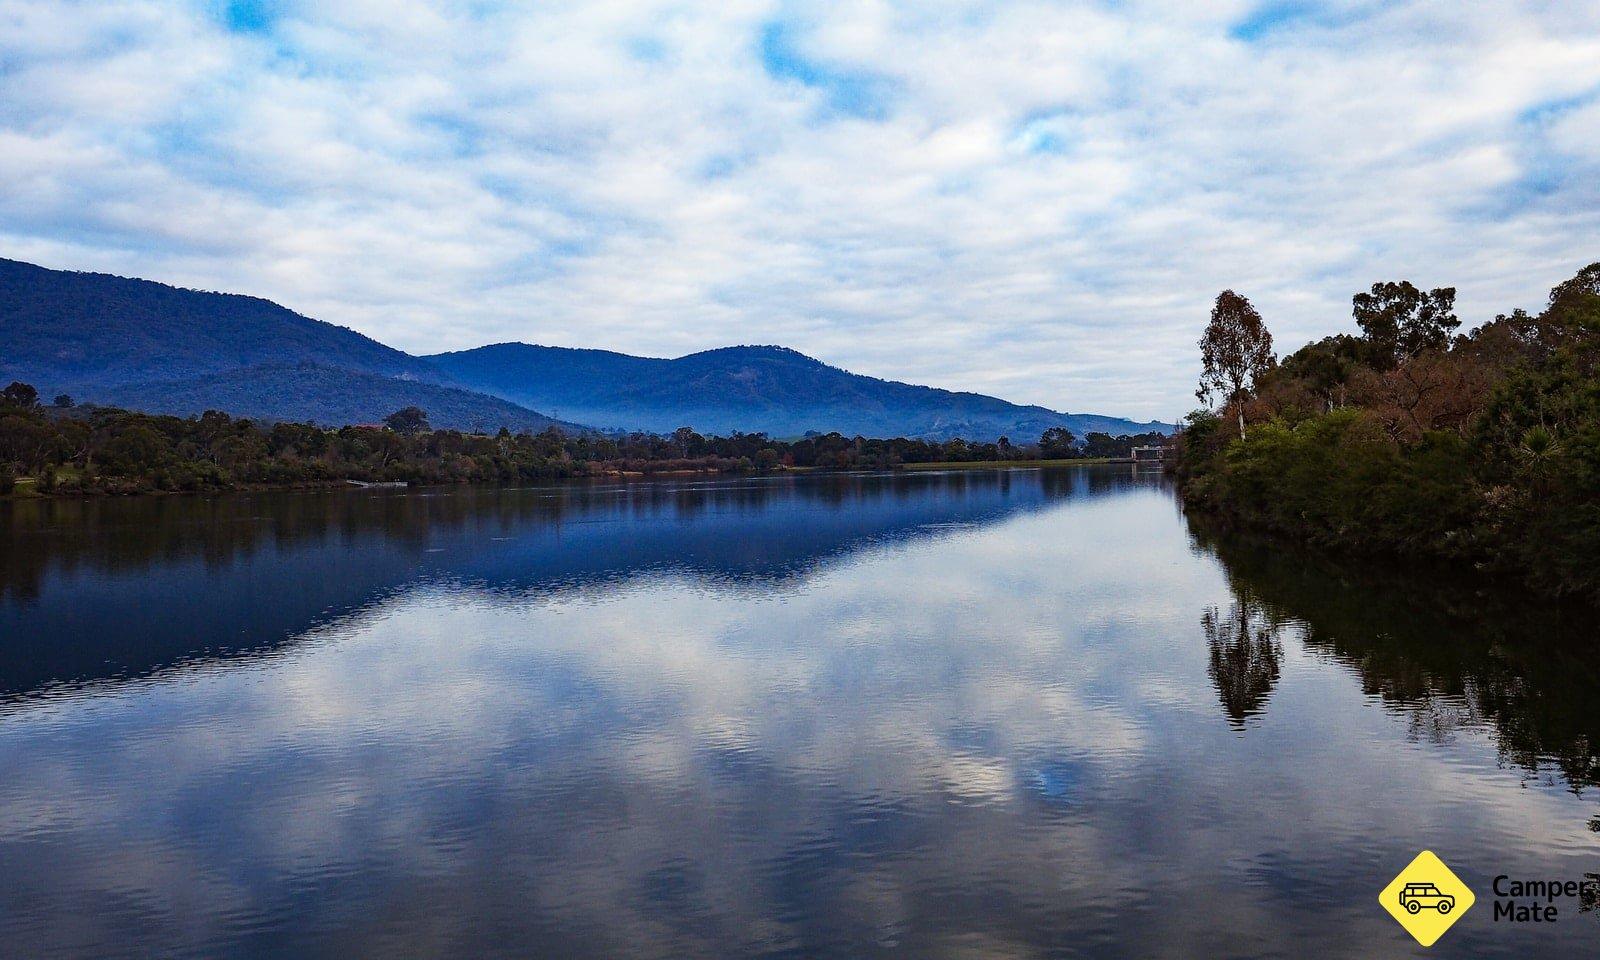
(26, 487)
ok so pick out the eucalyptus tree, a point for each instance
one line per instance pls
(1399, 321)
(1235, 349)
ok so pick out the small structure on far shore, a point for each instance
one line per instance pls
(1155, 453)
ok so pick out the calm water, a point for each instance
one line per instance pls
(1007, 714)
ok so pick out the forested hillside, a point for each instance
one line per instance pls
(83, 332)
(768, 389)
(154, 347)
(308, 392)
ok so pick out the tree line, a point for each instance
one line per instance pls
(64, 448)
(1410, 436)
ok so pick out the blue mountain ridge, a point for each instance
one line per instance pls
(165, 349)
(769, 389)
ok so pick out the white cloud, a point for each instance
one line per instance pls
(1036, 200)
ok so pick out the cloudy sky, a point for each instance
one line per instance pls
(1036, 200)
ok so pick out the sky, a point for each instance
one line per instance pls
(1033, 200)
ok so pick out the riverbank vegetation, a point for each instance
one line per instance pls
(61, 449)
(1480, 448)
(1005, 464)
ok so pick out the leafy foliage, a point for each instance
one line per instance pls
(407, 420)
(1398, 321)
(19, 396)
(1483, 448)
(1057, 442)
(1235, 349)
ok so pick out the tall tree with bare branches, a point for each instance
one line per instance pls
(1235, 349)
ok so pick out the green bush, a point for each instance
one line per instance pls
(1513, 486)
(1338, 479)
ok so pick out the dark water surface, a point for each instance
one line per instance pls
(974, 715)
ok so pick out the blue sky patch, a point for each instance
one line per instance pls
(1046, 133)
(647, 49)
(250, 16)
(1276, 16)
(1270, 17)
(851, 93)
(1547, 111)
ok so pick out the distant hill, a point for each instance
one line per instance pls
(79, 332)
(330, 396)
(754, 389)
(150, 346)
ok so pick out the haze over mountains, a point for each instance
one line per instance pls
(150, 346)
(771, 389)
(315, 392)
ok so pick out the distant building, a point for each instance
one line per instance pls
(1151, 454)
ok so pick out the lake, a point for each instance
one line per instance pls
(967, 714)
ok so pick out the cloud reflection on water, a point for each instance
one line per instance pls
(999, 739)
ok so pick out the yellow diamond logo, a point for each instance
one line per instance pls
(1426, 898)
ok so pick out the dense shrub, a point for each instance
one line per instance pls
(1485, 448)
(1338, 478)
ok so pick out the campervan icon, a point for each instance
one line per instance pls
(1415, 896)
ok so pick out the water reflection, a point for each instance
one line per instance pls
(1445, 649)
(1245, 652)
(124, 588)
(951, 716)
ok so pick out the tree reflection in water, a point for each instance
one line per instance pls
(906, 715)
(1445, 649)
(1245, 657)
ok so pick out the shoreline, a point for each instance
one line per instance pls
(1008, 464)
(33, 495)
(1483, 565)
(1215, 524)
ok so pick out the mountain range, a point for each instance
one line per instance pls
(149, 346)
(772, 389)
